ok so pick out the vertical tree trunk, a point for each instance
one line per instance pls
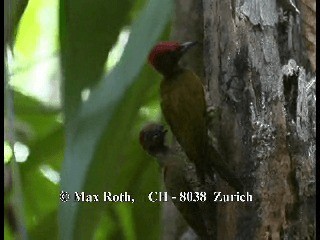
(257, 68)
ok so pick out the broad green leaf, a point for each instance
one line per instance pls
(124, 212)
(37, 126)
(47, 150)
(37, 25)
(85, 168)
(47, 227)
(106, 227)
(40, 196)
(87, 32)
(14, 10)
(8, 235)
(139, 4)
(28, 105)
(145, 211)
(34, 120)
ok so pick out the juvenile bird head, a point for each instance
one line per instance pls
(152, 137)
(165, 56)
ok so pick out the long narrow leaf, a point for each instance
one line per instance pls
(86, 130)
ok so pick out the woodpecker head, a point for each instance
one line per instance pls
(152, 138)
(165, 56)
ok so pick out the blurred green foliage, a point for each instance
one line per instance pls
(87, 143)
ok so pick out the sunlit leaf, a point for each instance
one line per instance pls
(29, 105)
(87, 33)
(13, 10)
(47, 150)
(33, 30)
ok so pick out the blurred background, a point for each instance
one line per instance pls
(77, 92)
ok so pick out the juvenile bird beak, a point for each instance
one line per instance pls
(164, 131)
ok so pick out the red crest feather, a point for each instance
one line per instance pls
(162, 47)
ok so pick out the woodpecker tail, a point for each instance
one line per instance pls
(216, 163)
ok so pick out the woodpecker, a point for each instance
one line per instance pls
(184, 108)
(176, 178)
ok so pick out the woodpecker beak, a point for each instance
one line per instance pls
(186, 46)
(162, 129)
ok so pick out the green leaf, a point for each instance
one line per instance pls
(34, 120)
(14, 10)
(124, 213)
(87, 164)
(145, 211)
(34, 27)
(8, 235)
(40, 196)
(47, 150)
(27, 105)
(47, 228)
(87, 33)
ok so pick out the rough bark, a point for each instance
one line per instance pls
(308, 22)
(259, 70)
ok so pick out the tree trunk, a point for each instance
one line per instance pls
(259, 71)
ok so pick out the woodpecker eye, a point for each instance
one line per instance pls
(152, 136)
(155, 136)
